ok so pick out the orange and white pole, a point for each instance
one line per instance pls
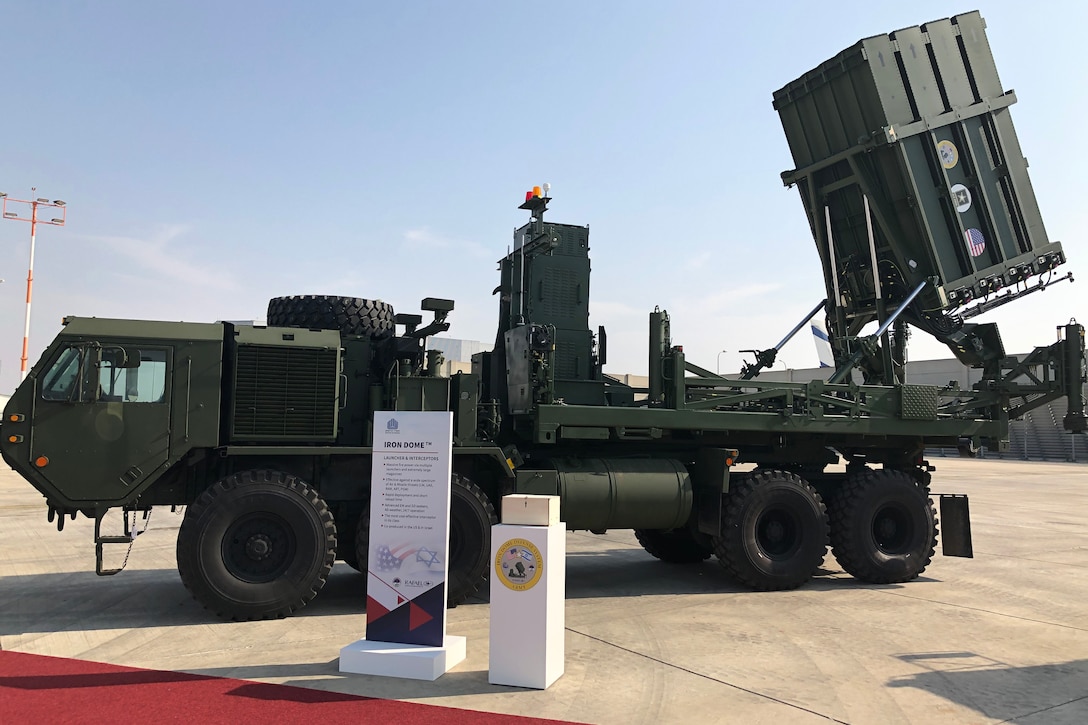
(29, 289)
(34, 221)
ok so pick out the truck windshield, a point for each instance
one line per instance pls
(62, 375)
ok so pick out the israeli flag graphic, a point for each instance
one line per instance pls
(823, 345)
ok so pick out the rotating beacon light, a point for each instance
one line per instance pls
(538, 193)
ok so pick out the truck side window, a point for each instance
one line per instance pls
(61, 377)
(143, 383)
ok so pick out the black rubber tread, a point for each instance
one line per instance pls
(675, 546)
(301, 529)
(471, 517)
(895, 503)
(744, 549)
(350, 315)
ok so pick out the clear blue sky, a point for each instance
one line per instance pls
(216, 154)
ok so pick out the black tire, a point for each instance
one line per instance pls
(471, 517)
(675, 546)
(345, 544)
(883, 527)
(350, 315)
(774, 531)
(256, 545)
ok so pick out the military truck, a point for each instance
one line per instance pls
(920, 206)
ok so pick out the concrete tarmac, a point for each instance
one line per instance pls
(1002, 637)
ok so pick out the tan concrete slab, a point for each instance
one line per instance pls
(1001, 637)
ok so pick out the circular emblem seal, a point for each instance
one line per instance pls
(518, 564)
(950, 155)
(961, 197)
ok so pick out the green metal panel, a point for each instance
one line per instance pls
(464, 397)
(916, 121)
(419, 393)
(285, 385)
(919, 402)
(93, 328)
(944, 45)
(549, 285)
(198, 386)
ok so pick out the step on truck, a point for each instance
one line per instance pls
(919, 203)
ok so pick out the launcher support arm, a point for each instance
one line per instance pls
(859, 353)
(766, 358)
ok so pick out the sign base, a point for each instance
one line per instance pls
(528, 589)
(410, 661)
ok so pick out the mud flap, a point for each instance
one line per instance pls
(711, 482)
(956, 526)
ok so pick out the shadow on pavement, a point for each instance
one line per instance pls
(473, 682)
(1051, 693)
(156, 597)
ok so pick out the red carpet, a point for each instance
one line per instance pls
(37, 689)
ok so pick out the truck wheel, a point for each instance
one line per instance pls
(774, 531)
(345, 546)
(883, 527)
(471, 519)
(256, 545)
(676, 546)
(350, 315)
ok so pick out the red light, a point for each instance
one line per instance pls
(528, 196)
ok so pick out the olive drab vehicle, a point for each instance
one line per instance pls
(918, 199)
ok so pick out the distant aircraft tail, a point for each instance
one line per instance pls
(823, 345)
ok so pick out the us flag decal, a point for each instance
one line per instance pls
(976, 243)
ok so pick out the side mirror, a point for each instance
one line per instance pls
(119, 357)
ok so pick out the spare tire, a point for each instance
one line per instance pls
(350, 315)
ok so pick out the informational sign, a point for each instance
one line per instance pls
(407, 559)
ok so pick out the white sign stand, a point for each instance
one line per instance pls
(528, 590)
(408, 556)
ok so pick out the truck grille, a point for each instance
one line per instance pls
(285, 393)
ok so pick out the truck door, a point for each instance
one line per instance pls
(102, 419)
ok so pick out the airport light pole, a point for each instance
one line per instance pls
(58, 221)
(718, 367)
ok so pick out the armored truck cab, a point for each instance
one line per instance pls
(112, 405)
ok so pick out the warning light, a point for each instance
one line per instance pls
(536, 191)
(16, 418)
(15, 439)
(528, 196)
(41, 461)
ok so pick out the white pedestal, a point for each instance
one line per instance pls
(527, 607)
(412, 661)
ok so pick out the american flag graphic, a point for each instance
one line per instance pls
(390, 558)
(976, 243)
